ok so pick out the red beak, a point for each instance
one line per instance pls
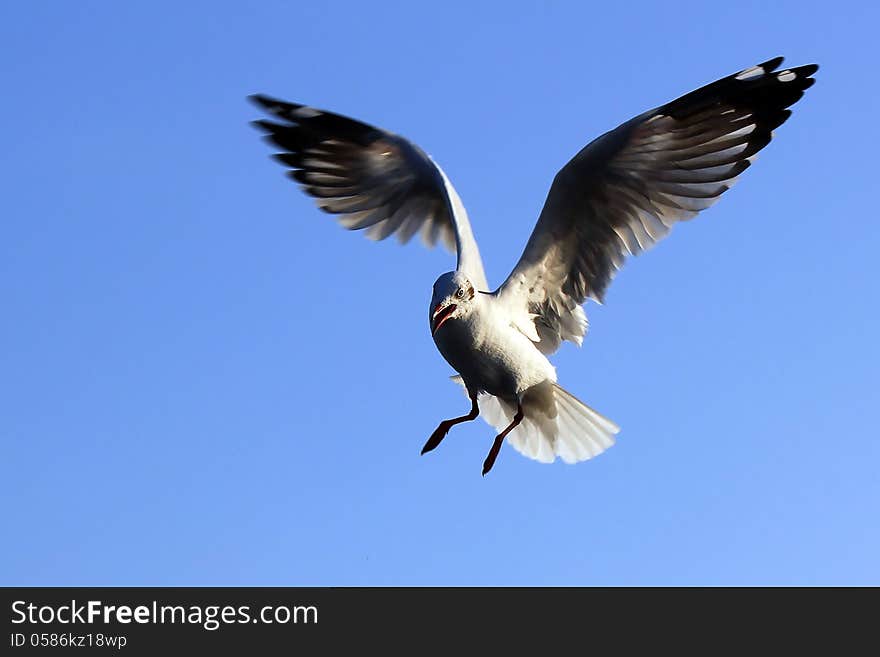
(441, 314)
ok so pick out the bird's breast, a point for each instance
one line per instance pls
(492, 355)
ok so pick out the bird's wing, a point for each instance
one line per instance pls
(625, 190)
(371, 179)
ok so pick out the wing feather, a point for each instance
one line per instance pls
(625, 190)
(370, 179)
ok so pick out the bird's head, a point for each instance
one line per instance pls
(453, 298)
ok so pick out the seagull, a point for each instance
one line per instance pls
(618, 196)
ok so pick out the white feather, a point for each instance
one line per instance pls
(567, 428)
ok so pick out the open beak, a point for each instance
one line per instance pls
(441, 314)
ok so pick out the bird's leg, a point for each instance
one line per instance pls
(499, 439)
(441, 431)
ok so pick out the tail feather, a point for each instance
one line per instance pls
(583, 432)
(555, 424)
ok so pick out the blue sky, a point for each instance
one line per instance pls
(205, 381)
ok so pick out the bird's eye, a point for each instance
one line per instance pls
(459, 293)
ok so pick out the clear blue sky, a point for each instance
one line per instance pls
(206, 381)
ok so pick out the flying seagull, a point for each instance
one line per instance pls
(618, 196)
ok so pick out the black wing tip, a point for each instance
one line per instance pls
(259, 99)
(772, 64)
(280, 108)
(761, 86)
(287, 159)
(265, 126)
(807, 69)
(271, 104)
